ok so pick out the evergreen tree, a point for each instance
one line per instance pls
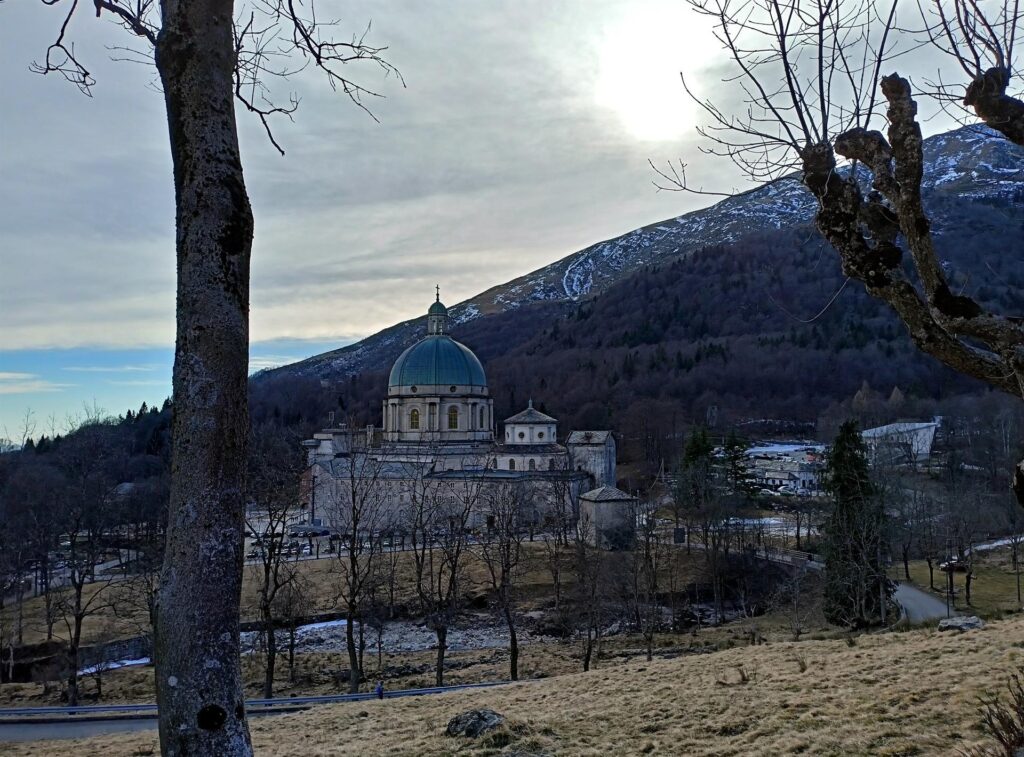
(854, 536)
(694, 484)
(737, 467)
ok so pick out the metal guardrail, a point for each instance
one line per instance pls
(256, 704)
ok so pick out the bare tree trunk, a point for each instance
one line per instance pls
(21, 613)
(1016, 564)
(380, 648)
(73, 656)
(362, 647)
(268, 680)
(355, 673)
(513, 644)
(931, 573)
(588, 650)
(291, 652)
(442, 645)
(198, 672)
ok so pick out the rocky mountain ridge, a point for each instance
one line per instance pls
(971, 163)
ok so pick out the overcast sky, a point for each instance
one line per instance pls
(522, 135)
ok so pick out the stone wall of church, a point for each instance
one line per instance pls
(455, 413)
(530, 433)
(596, 459)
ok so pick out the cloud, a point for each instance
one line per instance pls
(12, 382)
(113, 368)
(261, 362)
(139, 382)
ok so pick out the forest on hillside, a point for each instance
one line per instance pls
(764, 329)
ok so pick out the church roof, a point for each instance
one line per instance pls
(588, 437)
(437, 360)
(529, 449)
(529, 415)
(607, 494)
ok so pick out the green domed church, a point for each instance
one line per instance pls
(439, 438)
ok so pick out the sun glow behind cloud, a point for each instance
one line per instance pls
(640, 59)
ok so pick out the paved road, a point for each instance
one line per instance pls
(71, 730)
(919, 606)
(17, 724)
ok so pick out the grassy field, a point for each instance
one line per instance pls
(115, 619)
(911, 693)
(993, 589)
(317, 673)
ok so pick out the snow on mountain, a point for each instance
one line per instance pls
(971, 162)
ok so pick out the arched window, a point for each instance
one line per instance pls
(414, 419)
(511, 464)
(533, 464)
(482, 425)
(551, 464)
(453, 418)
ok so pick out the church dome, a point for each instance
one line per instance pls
(437, 360)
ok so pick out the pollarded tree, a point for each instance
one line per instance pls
(857, 590)
(809, 87)
(210, 55)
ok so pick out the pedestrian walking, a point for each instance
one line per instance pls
(379, 690)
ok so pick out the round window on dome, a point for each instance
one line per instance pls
(522, 435)
(413, 390)
(540, 435)
(451, 388)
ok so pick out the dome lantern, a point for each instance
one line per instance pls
(437, 317)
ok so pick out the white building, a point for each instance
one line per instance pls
(438, 439)
(901, 442)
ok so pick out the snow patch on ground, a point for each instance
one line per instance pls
(113, 665)
(482, 632)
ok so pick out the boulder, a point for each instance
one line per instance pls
(474, 723)
(960, 625)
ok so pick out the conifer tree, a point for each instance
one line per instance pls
(737, 468)
(857, 590)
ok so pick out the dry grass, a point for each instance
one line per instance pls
(316, 673)
(993, 590)
(320, 576)
(911, 693)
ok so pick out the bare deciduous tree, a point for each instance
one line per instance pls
(439, 517)
(207, 58)
(591, 580)
(809, 73)
(501, 551)
(361, 512)
(276, 463)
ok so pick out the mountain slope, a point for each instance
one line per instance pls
(969, 164)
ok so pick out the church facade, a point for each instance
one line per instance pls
(439, 441)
